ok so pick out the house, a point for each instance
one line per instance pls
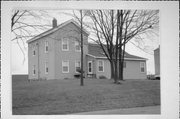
(157, 62)
(134, 66)
(56, 54)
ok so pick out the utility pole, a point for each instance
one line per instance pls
(82, 71)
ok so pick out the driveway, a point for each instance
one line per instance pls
(137, 110)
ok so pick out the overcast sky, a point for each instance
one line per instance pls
(20, 66)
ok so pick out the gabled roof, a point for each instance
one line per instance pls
(95, 51)
(52, 30)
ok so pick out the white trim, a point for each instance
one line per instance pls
(64, 65)
(46, 66)
(62, 43)
(124, 58)
(142, 66)
(76, 65)
(46, 45)
(55, 29)
(91, 67)
(102, 65)
(77, 44)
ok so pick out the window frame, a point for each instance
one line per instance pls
(46, 46)
(142, 66)
(65, 65)
(62, 43)
(102, 65)
(76, 62)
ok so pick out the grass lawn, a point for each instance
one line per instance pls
(67, 96)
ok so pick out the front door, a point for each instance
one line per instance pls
(89, 67)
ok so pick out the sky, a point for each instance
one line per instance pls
(19, 62)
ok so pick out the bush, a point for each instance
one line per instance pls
(102, 77)
(77, 75)
(79, 70)
(151, 77)
(66, 78)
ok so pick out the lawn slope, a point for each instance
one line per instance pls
(67, 96)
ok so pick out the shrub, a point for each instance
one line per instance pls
(79, 70)
(102, 77)
(77, 75)
(151, 77)
(66, 78)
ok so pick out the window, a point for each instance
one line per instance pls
(100, 66)
(65, 44)
(90, 67)
(77, 66)
(142, 67)
(46, 68)
(34, 51)
(65, 66)
(77, 46)
(34, 70)
(46, 47)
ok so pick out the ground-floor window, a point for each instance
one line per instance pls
(142, 67)
(34, 70)
(65, 66)
(101, 66)
(46, 68)
(77, 66)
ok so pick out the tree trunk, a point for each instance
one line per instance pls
(115, 72)
(120, 46)
(82, 71)
(112, 70)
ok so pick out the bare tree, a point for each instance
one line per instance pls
(26, 24)
(104, 24)
(115, 28)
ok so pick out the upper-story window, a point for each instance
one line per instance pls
(77, 46)
(142, 67)
(65, 66)
(46, 46)
(101, 66)
(65, 44)
(33, 51)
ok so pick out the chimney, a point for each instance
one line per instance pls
(54, 23)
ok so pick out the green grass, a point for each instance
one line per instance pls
(67, 96)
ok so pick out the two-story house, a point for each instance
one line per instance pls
(56, 54)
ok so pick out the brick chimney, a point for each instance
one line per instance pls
(54, 23)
